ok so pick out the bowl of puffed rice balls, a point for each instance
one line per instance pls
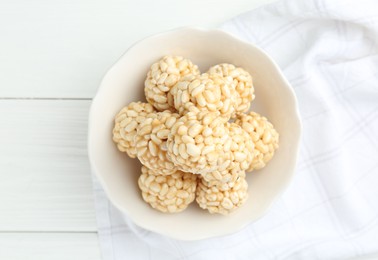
(194, 133)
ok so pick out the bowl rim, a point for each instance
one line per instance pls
(235, 228)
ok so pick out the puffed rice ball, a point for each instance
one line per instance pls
(240, 148)
(223, 180)
(206, 93)
(162, 76)
(172, 193)
(263, 135)
(195, 143)
(239, 151)
(126, 123)
(222, 202)
(150, 142)
(242, 82)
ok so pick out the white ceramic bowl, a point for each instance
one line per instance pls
(123, 83)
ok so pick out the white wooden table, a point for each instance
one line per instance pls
(52, 57)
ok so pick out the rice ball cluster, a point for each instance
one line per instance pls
(194, 139)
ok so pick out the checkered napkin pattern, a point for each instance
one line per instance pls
(328, 50)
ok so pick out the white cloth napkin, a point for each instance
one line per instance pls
(328, 50)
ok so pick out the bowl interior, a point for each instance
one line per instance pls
(123, 84)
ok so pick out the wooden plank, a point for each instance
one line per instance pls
(49, 246)
(44, 171)
(62, 49)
